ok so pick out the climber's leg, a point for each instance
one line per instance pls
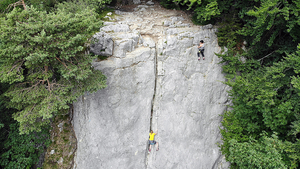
(202, 53)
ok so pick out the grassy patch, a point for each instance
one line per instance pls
(104, 13)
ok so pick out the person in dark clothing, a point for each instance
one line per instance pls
(201, 50)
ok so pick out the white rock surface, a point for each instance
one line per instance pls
(154, 81)
(150, 3)
(60, 161)
(136, 1)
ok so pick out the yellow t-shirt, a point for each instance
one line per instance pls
(151, 136)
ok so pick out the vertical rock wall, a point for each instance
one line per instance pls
(154, 81)
(188, 101)
(112, 124)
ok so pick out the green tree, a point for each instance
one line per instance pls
(78, 5)
(265, 99)
(23, 151)
(204, 9)
(267, 153)
(265, 86)
(43, 58)
(18, 151)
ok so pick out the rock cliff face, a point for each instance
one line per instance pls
(154, 82)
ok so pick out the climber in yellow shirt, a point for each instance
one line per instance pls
(151, 140)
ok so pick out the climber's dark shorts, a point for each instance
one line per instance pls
(201, 52)
(152, 142)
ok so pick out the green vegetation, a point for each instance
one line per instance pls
(18, 151)
(44, 68)
(104, 12)
(43, 5)
(169, 4)
(262, 129)
(45, 62)
(100, 58)
(51, 5)
(22, 150)
(64, 144)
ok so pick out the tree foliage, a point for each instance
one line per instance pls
(43, 58)
(18, 151)
(43, 5)
(265, 100)
(265, 89)
(23, 151)
(265, 154)
(44, 67)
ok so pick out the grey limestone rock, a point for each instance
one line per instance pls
(150, 3)
(60, 126)
(142, 6)
(175, 18)
(142, 10)
(136, 1)
(127, 43)
(108, 23)
(60, 161)
(154, 81)
(117, 117)
(209, 26)
(148, 42)
(123, 46)
(102, 44)
(188, 100)
(109, 18)
(118, 12)
(167, 23)
(115, 28)
(221, 163)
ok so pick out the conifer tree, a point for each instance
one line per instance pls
(43, 57)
